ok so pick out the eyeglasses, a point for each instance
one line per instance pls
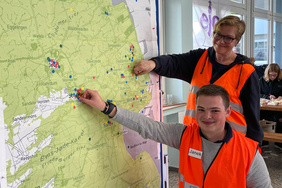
(272, 75)
(226, 39)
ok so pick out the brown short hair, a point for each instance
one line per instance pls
(214, 90)
(273, 67)
(231, 21)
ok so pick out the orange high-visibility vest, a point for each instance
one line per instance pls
(229, 168)
(233, 81)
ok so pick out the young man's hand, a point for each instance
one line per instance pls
(93, 99)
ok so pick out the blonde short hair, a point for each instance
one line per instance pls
(273, 67)
(231, 21)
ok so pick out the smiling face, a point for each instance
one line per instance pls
(220, 46)
(211, 115)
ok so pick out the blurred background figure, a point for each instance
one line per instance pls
(271, 88)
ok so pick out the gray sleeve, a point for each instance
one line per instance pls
(258, 175)
(166, 133)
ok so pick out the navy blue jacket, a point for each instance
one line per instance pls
(271, 87)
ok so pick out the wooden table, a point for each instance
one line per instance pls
(271, 108)
(269, 136)
(272, 137)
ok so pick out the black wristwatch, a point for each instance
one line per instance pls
(108, 108)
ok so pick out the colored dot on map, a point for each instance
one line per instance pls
(111, 69)
(71, 9)
(89, 139)
(82, 88)
(93, 77)
(134, 57)
(125, 56)
(70, 76)
(75, 89)
(48, 58)
(61, 45)
(115, 103)
(126, 82)
(107, 72)
(125, 93)
(53, 71)
(132, 105)
(117, 133)
(74, 107)
(72, 104)
(107, 13)
(127, 146)
(128, 66)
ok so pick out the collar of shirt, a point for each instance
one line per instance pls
(227, 137)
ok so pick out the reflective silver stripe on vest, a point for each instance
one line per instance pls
(194, 89)
(237, 107)
(238, 127)
(190, 113)
(186, 184)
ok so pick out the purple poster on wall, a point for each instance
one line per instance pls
(205, 14)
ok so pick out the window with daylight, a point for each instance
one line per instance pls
(264, 23)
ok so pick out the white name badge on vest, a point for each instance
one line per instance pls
(195, 153)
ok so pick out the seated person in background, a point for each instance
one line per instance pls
(271, 88)
(211, 153)
(270, 83)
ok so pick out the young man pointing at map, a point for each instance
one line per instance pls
(211, 153)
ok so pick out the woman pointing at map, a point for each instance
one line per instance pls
(216, 65)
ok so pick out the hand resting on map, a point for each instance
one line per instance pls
(93, 99)
(144, 67)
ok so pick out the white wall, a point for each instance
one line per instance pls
(178, 39)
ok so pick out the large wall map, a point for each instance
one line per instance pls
(51, 51)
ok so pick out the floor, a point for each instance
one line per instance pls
(273, 160)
